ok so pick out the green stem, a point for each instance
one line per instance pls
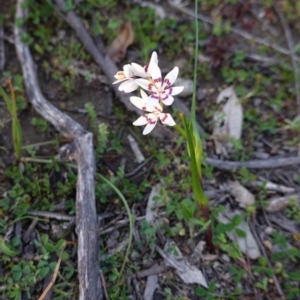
(199, 195)
(129, 218)
(56, 141)
(193, 108)
(180, 130)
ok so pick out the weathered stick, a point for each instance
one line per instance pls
(270, 163)
(86, 218)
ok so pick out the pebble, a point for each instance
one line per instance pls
(269, 230)
(267, 244)
(216, 264)
(227, 276)
(225, 257)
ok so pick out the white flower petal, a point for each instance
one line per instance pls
(156, 76)
(146, 84)
(153, 61)
(144, 95)
(119, 80)
(156, 108)
(174, 90)
(171, 77)
(152, 117)
(151, 102)
(142, 120)
(139, 102)
(167, 119)
(128, 71)
(149, 128)
(138, 70)
(130, 86)
(153, 58)
(123, 85)
(167, 99)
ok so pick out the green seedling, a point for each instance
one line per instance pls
(16, 127)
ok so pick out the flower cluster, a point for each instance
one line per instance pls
(160, 91)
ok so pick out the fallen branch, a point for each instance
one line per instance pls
(86, 218)
(271, 163)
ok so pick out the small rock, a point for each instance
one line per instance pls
(269, 230)
(227, 276)
(225, 257)
(267, 244)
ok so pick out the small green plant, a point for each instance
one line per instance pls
(40, 123)
(100, 131)
(16, 127)
(149, 78)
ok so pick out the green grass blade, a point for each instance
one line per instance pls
(129, 217)
(6, 99)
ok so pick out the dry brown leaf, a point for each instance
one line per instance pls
(241, 194)
(281, 203)
(174, 258)
(227, 122)
(125, 37)
(247, 245)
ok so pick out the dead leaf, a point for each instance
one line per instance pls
(247, 245)
(117, 49)
(187, 272)
(151, 284)
(152, 205)
(241, 194)
(281, 203)
(135, 149)
(228, 120)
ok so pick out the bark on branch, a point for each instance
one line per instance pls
(86, 218)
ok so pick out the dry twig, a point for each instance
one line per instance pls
(86, 218)
(270, 163)
(54, 275)
(263, 251)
